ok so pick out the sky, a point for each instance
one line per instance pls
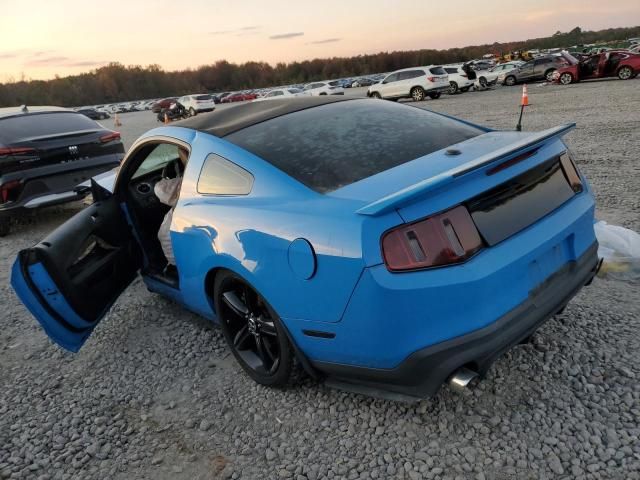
(41, 39)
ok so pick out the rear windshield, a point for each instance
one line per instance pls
(335, 145)
(203, 97)
(23, 127)
(437, 71)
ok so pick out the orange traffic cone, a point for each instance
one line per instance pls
(525, 96)
(116, 120)
(166, 118)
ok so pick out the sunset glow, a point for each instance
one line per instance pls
(41, 39)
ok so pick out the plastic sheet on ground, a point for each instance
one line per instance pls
(620, 250)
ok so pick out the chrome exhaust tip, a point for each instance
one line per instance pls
(462, 378)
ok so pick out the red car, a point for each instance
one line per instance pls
(620, 63)
(164, 103)
(239, 97)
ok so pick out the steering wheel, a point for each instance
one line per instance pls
(173, 169)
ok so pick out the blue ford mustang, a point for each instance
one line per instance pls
(380, 246)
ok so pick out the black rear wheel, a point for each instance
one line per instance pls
(253, 331)
(434, 95)
(376, 95)
(510, 81)
(453, 88)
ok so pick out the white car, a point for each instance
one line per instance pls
(197, 103)
(459, 81)
(324, 88)
(487, 78)
(416, 83)
(283, 93)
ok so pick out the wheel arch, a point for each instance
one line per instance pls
(209, 285)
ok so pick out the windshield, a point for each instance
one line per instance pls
(14, 129)
(570, 58)
(203, 97)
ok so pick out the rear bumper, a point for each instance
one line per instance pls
(421, 373)
(54, 184)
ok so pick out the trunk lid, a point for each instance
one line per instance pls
(507, 180)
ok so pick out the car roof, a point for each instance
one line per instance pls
(15, 111)
(224, 122)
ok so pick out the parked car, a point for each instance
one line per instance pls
(615, 63)
(197, 103)
(362, 82)
(635, 48)
(416, 83)
(540, 68)
(219, 97)
(324, 88)
(487, 78)
(93, 114)
(281, 93)
(239, 97)
(373, 258)
(164, 103)
(47, 151)
(459, 79)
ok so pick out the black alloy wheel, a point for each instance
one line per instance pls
(376, 95)
(453, 88)
(253, 331)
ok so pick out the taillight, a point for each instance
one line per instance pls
(9, 191)
(571, 172)
(16, 151)
(431, 79)
(443, 239)
(110, 137)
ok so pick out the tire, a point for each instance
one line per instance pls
(376, 95)
(548, 75)
(453, 88)
(5, 226)
(253, 331)
(625, 73)
(483, 82)
(510, 81)
(323, 93)
(417, 93)
(192, 112)
(435, 95)
(565, 78)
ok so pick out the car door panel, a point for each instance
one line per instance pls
(71, 278)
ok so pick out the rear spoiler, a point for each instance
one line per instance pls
(388, 203)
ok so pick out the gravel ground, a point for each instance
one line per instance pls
(154, 394)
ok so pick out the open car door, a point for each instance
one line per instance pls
(70, 279)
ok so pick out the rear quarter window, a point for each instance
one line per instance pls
(335, 145)
(23, 127)
(219, 176)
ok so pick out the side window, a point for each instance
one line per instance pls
(391, 78)
(409, 74)
(278, 93)
(451, 70)
(219, 176)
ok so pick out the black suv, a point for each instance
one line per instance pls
(45, 152)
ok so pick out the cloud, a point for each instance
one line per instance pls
(237, 31)
(282, 36)
(46, 61)
(326, 40)
(8, 55)
(84, 63)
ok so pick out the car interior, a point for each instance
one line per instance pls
(152, 163)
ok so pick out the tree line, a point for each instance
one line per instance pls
(117, 83)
